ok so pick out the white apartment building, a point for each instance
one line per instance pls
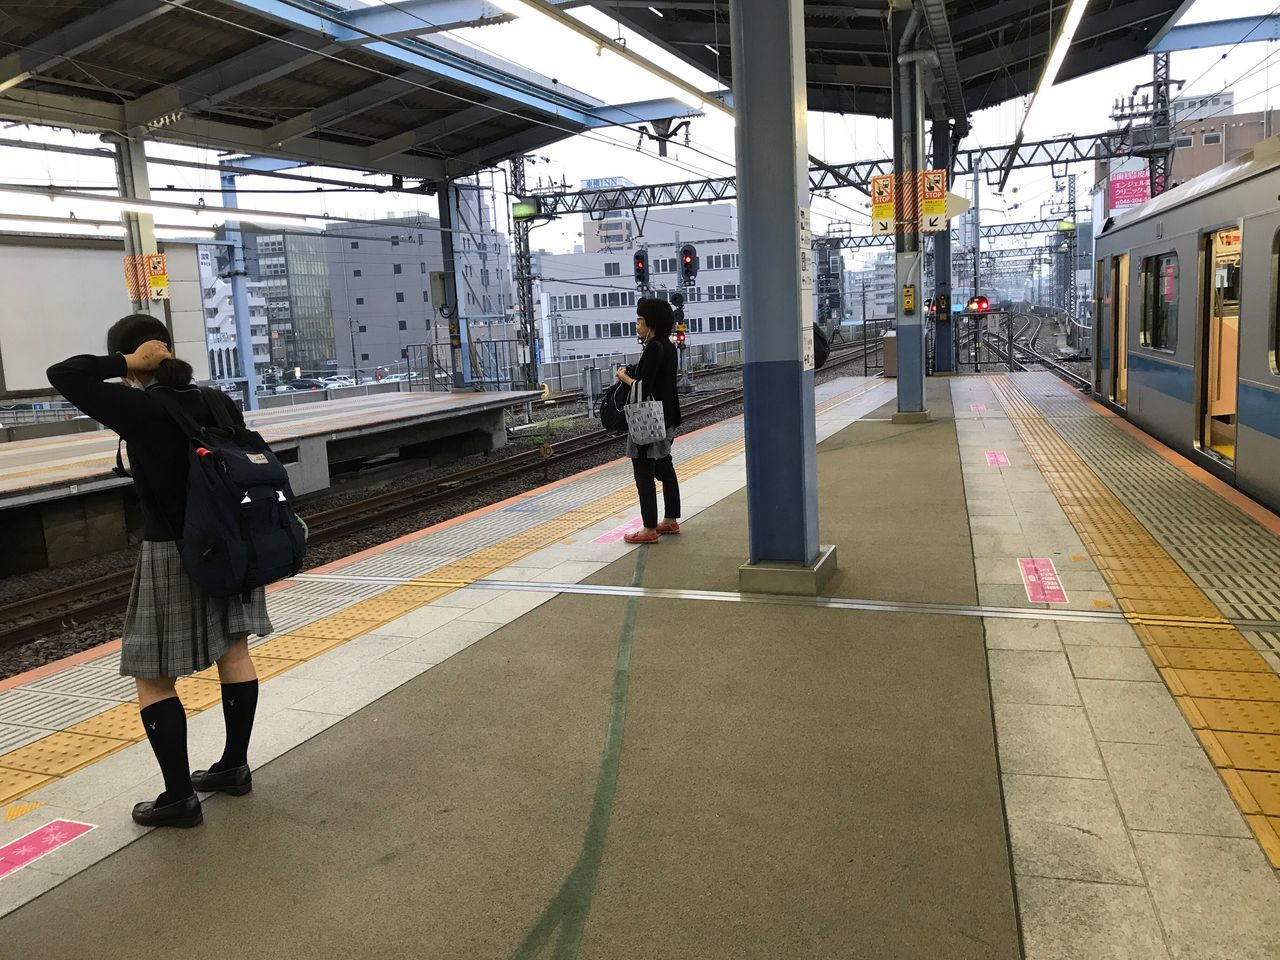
(220, 319)
(588, 298)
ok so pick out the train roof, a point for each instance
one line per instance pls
(1263, 158)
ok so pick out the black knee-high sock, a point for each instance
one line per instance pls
(166, 724)
(239, 704)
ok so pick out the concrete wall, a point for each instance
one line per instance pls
(62, 293)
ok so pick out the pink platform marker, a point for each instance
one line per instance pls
(31, 847)
(978, 407)
(1040, 577)
(613, 536)
(997, 458)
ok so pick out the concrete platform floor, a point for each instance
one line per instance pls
(613, 777)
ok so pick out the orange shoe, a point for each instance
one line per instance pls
(641, 536)
(669, 528)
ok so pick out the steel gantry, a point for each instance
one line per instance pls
(1054, 153)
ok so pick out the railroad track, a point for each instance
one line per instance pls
(37, 616)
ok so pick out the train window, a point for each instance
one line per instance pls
(1160, 302)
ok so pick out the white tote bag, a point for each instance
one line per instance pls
(646, 421)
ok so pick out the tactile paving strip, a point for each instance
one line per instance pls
(1173, 557)
(59, 754)
(311, 618)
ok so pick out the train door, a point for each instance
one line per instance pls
(1119, 387)
(1219, 378)
(1099, 319)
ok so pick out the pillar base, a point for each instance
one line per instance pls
(921, 416)
(790, 579)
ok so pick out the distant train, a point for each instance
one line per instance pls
(1188, 342)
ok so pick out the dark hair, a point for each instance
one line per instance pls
(129, 333)
(657, 314)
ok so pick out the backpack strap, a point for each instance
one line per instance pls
(213, 400)
(119, 469)
(167, 399)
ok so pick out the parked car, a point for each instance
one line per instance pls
(306, 383)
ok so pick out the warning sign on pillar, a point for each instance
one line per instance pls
(882, 199)
(157, 276)
(933, 201)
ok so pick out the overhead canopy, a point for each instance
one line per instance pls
(369, 87)
(996, 50)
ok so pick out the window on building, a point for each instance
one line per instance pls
(355, 244)
(419, 239)
(422, 268)
(400, 297)
(615, 300)
(1184, 142)
(359, 301)
(425, 296)
(404, 353)
(1160, 302)
(599, 334)
(364, 356)
(612, 269)
(404, 324)
(356, 273)
(615, 329)
(596, 300)
(395, 242)
(362, 328)
(1210, 139)
(395, 268)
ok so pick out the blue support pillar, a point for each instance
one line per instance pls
(944, 360)
(777, 299)
(449, 220)
(240, 296)
(908, 149)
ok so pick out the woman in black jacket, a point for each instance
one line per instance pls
(172, 627)
(657, 371)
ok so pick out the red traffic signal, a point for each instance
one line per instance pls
(641, 260)
(688, 263)
(680, 338)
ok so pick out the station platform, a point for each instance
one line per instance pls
(62, 497)
(1036, 714)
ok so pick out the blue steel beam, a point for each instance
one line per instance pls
(330, 23)
(1219, 33)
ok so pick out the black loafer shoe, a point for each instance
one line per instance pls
(180, 813)
(236, 781)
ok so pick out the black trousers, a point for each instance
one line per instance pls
(647, 471)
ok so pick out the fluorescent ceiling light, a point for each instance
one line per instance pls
(1075, 13)
(657, 12)
(33, 222)
(712, 49)
(685, 92)
(121, 204)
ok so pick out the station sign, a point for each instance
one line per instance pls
(882, 205)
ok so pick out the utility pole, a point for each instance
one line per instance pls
(524, 277)
(976, 213)
(1155, 140)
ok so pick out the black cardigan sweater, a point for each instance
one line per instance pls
(658, 368)
(158, 449)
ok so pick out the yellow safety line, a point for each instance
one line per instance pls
(1227, 691)
(37, 764)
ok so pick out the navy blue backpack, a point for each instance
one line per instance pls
(240, 530)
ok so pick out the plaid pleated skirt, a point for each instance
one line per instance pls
(173, 628)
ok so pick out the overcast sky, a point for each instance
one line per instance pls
(1080, 106)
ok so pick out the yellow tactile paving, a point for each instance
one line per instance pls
(1228, 684)
(1264, 790)
(59, 754)
(118, 723)
(1228, 693)
(1242, 716)
(16, 810)
(280, 653)
(1250, 751)
(17, 783)
(1194, 658)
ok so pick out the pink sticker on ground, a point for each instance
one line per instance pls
(978, 407)
(997, 458)
(34, 845)
(613, 536)
(1040, 577)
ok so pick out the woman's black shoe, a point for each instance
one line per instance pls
(236, 781)
(180, 813)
